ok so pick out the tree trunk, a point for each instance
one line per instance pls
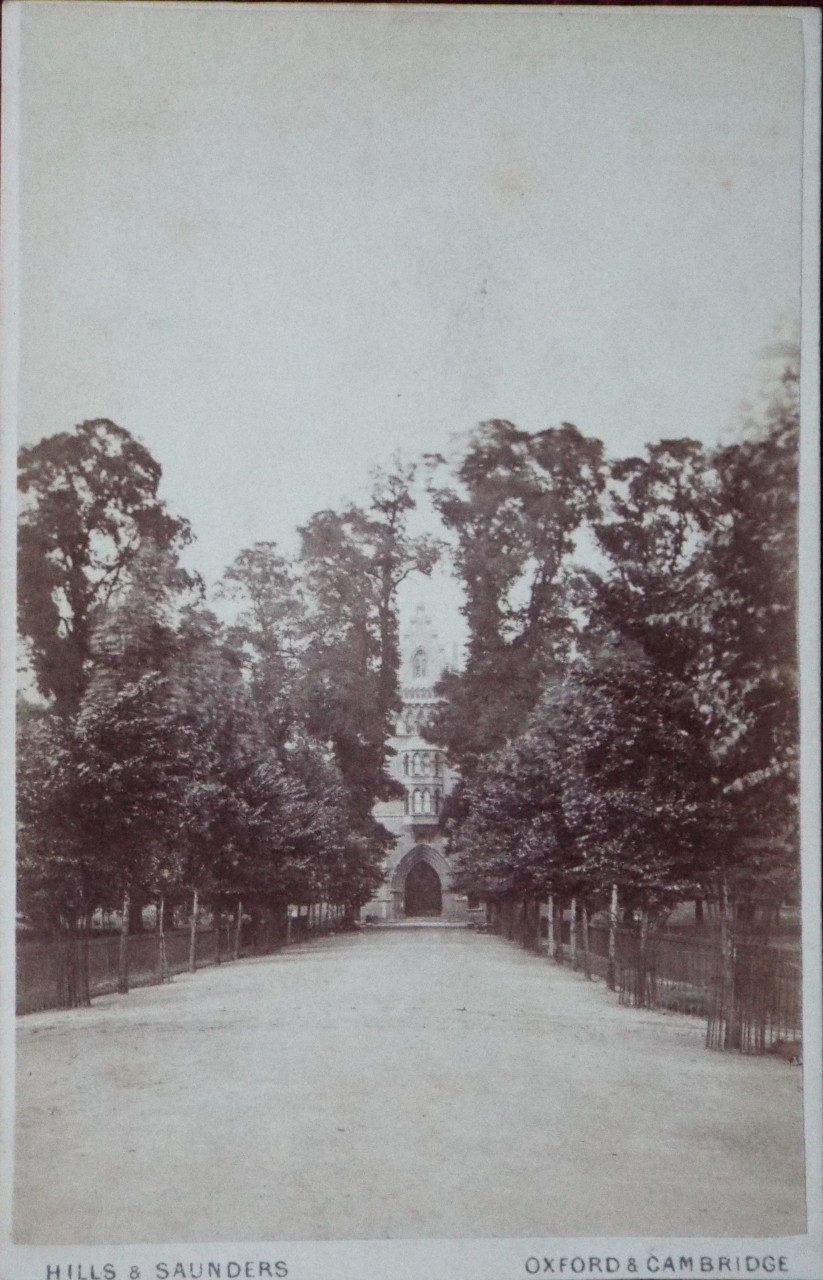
(557, 924)
(84, 989)
(60, 976)
(138, 901)
(611, 972)
(587, 964)
(698, 911)
(728, 1007)
(162, 956)
(193, 932)
(123, 958)
(550, 927)
(641, 960)
(71, 966)
(573, 935)
(238, 924)
(217, 920)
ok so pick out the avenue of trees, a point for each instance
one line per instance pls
(624, 725)
(173, 758)
(627, 735)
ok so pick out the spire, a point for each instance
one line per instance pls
(422, 655)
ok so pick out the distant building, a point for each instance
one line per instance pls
(418, 873)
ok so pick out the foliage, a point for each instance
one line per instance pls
(352, 563)
(519, 503)
(59, 879)
(633, 722)
(657, 748)
(89, 503)
(174, 753)
(749, 674)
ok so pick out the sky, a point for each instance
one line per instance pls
(280, 245)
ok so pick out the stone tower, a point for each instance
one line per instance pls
(418, 875)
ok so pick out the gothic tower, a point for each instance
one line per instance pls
(418, 875)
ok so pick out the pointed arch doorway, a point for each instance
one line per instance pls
(423, 891)
(416, 893)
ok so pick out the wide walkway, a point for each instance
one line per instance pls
(402, 1083)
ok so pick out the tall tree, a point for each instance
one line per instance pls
(518, 504)
(749, 677)
(133, 755)
(268, 633)
(89, 503)
(657, 512)
(353, 563)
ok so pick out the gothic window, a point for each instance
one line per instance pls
(419, 664)
(406, 763)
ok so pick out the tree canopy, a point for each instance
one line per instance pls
(627, 713)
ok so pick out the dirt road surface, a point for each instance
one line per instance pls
(401, 1083)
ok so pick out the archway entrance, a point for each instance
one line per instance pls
(423, 894)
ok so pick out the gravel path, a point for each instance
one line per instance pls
(398, 1083)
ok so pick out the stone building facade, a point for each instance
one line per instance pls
(418, 876)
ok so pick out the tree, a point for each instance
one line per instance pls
(282, 656)
(657, 513)
(268, 633)
(133, 753)
(352, 564)
(748, 677)
(89, 503)
(636, 776)
(518, 506)
(60, 877)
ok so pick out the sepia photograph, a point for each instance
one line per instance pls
(410, 815)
